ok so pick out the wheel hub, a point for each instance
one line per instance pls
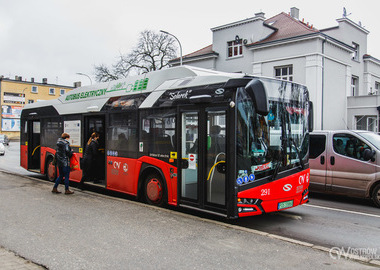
(154, 190)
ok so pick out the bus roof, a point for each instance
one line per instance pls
(92, 98)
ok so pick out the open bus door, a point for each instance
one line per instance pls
(202, 162)
(96, 123)
(34, 145)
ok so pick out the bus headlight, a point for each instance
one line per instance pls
(246, 201)
(246, 209)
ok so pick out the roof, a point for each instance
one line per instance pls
(35, 83)
(370, 57)
(93, 97)
(287, 27)
(284, 26)
(206, 51)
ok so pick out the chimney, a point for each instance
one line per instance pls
(44, 80)
(77, 84)
(32, 80)
(295, 13)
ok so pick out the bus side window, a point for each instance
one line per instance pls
(122, 132)
(52, 129)
(158, 131)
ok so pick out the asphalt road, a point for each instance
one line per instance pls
(91, 231)
(327, 221)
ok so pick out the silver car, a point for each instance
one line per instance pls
(4, 139)
(345, 162)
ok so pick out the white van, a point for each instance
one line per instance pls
(345, 162)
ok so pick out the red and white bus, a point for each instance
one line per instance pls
(225, 143)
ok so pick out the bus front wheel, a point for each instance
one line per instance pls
(154, 190)
(51, 170)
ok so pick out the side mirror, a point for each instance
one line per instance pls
(310, 119)
(369, 155)
(257, 92)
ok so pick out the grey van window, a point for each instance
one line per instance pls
(317, 145)
(350, 146)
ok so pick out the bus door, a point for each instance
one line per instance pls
(34, 144)
(96, 124)
(203, 159)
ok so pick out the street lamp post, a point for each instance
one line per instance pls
(23, 95)
(180, 46)
(80, 73)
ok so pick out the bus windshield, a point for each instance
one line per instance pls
(277, 141)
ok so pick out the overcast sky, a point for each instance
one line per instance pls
(55, 39)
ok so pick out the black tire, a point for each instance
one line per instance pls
(154, 190)
(376, 195)
(51, 170)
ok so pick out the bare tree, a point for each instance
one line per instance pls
(153, 52)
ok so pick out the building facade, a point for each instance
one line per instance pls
(15, 93)
(343, 79)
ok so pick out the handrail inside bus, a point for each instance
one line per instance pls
(211, 170)
(35, 149)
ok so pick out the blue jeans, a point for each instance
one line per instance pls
(63, 172)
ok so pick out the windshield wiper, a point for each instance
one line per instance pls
(279, 161)
(298, 153)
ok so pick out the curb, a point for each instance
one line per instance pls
(360, 259)
(11, 260)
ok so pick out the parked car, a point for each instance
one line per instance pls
(4, 139)
(345, 162)
(2, 149)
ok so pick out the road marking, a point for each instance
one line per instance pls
(345, 211)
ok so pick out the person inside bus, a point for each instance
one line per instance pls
(217, 140)
(122, 141)
(63, 155)
(89, 163)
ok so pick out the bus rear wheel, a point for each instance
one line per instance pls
(376, 195)
(51, 170)
(154, 190)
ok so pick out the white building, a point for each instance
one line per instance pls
(343, 79)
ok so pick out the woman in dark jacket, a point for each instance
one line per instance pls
(63, 155)
(89, 161)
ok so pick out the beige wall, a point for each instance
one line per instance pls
(23, 87)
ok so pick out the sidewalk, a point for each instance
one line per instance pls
(10, 261)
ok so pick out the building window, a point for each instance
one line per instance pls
(62, 92)
(30, 101)
(34, 89)
(284, 73)
(377, 88)
(51, 91)
(235, 48)
(356, 52)
(354, 86)
(366, 122)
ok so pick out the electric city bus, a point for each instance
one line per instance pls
(224, 143)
